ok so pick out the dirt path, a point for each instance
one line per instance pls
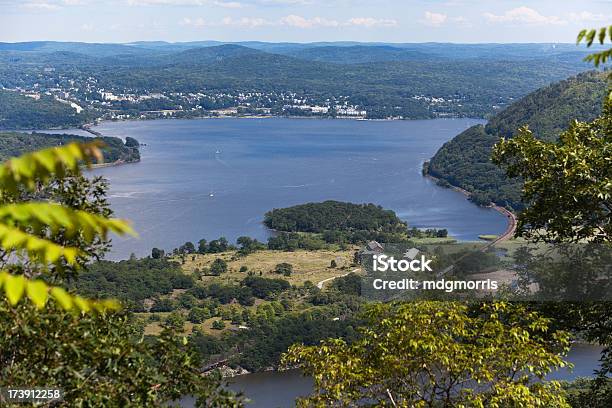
(320, 284)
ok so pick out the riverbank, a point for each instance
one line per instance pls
(511, 217)
(252, 116)
(112, 164)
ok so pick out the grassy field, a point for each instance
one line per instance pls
(155, 328)
(433, 241)
(311, 266)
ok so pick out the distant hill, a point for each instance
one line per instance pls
(90, 49)
(16, 143)
(357, 54)
(465, 160)
(206, 55)
(22, 112)
(412, 81)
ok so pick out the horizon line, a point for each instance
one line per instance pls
(290, 42)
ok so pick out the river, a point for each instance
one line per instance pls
(217, 177)
(210, 178)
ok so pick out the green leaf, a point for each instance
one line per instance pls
(82, 303)
(37, 291)
(14, 287)
(39, 166)
(62, 297)
(590, 37)
(602, 35)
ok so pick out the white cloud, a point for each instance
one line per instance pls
(196, 22)
(247, 22)
(367, 22)
(40, 6)
(524, 15)
(48, 5)
(434, 19)
(228, 4)
(370, 22)
(292, 20)
(283, 2)
(218, 3)
(301, 22)
(587, 16)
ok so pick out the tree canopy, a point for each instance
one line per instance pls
(87, 348)
(425, 354)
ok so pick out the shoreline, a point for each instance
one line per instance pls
(116, 163)
(510, 216)
(87, 127)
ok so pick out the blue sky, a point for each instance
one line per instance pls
(300, 20)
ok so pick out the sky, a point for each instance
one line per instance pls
(459, 21)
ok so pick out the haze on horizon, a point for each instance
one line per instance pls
(458, 21)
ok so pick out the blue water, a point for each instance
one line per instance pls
(217, 177)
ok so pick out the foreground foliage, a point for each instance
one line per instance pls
(100, 360)
(53, 222)
(427, 354)
(568, 184)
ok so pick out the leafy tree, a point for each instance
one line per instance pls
(349, 284)
(157, 253)
(284, 268)
(218, 325)
(96, 355)
(429, 354)
(248, 245)
(187, 248)
(218, 245)
(202, 246)
(186, 300)
(131, 142)
(163, 305)
(577, 168)
(198, 315)
(218, 267)
(175, 322)
(568, 184)
(132, 281)
(589, 37)
(263, 287)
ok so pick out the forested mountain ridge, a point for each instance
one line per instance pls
(465, 161)
(374, 81)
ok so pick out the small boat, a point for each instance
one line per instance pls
(211, 195)
(218, 152)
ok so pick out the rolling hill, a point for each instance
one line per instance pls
(411, 81)
(465, 160)
(21, 112)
